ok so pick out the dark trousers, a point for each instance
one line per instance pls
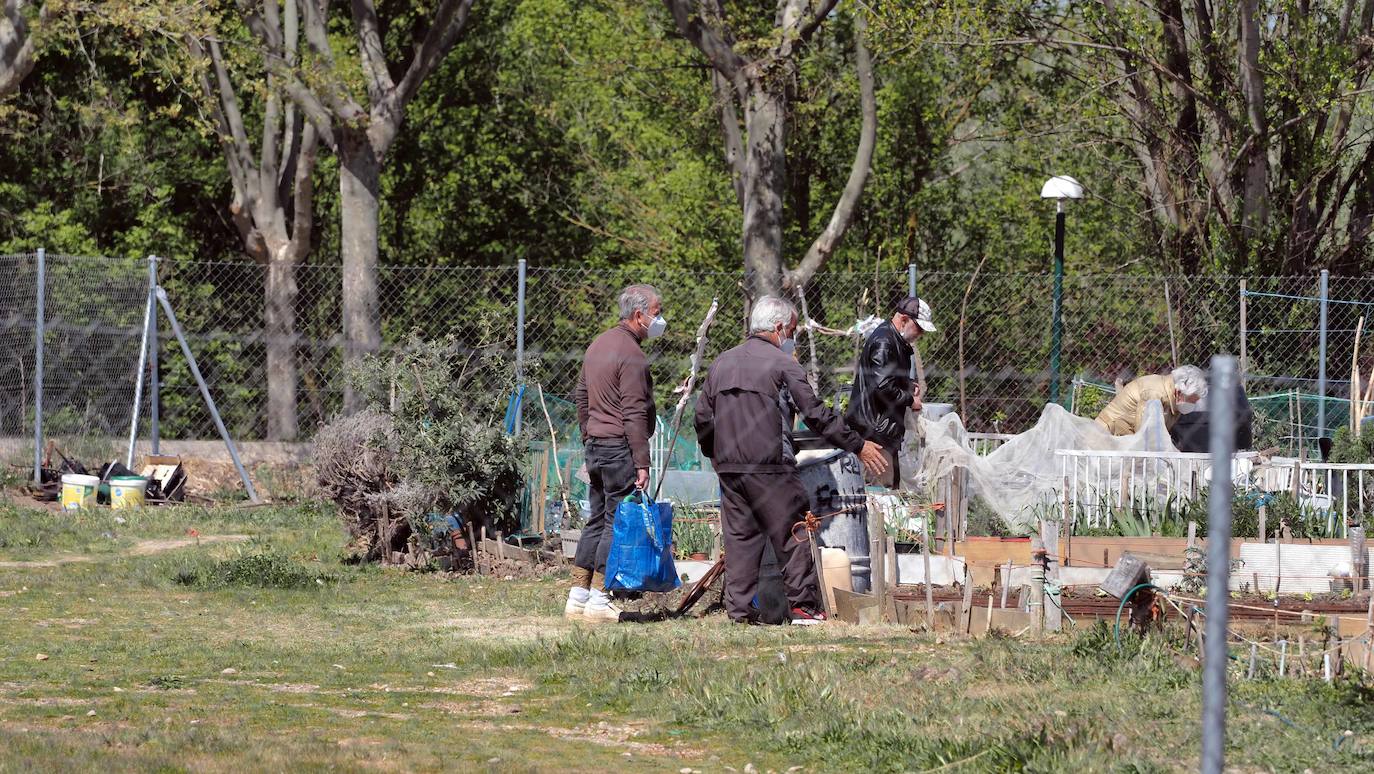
(611, 471)
(758, 507)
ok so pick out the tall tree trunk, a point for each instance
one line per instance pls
(280, 324)
(359, 182)
(764, 182)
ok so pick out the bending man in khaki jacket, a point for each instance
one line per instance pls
(1177, 391)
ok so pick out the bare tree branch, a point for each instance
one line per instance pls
(729, 124)
(276, 60)
(718, 50)
(379, 81)
(17, 43)
(448, 24)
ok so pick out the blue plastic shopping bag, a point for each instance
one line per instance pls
(641, 556)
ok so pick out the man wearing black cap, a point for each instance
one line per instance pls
(883, 388)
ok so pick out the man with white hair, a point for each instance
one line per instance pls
(616, 413)
(744, 421)
(1178, 391)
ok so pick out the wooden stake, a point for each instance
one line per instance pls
(474, 548)
(697, 355)
(1355, 376)
(925, 560)
(966, 611)
(1049, 531)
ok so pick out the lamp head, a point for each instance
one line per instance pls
(1061, 187)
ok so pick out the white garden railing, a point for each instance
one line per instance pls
(1101, 483)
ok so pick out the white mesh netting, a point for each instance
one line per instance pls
(1023, 479)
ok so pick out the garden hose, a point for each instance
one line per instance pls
(1116, 626)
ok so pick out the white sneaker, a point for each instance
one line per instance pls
(607, 613)
(574, 609)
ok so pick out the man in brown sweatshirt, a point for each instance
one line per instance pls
(616, 413)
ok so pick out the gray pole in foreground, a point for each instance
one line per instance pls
(39, 312)
(1321, 359)
(205, 393)
(911, 291)
(1223, 437)
(520, 342)
(153, 371)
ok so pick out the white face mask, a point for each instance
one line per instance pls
(656, 327)
(1187, 408)
(786, 344)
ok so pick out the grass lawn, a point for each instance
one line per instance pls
(262, 652)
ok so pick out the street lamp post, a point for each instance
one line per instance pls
(1059, 188)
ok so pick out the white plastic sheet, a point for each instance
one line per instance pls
(1021, 480)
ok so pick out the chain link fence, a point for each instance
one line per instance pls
(990, 356)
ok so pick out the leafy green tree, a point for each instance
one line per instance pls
(753, 66)
(273, 191)
(346, 88)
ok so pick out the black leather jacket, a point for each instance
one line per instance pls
(883, 389)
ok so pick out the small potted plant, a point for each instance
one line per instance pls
(692, 537)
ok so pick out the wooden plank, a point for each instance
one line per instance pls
(853, 607)
(966, 609)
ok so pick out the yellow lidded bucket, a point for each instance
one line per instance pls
(78, 491)
(127, 491)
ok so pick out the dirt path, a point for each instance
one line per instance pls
(141, 548)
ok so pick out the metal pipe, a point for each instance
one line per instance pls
(154, 371)
(149, 313)
(1057, 320)
(520, 338)
(41, 292)
(1244, 359)
(1321, 357)
(205, 393)
(910, 291)
(1223, 436)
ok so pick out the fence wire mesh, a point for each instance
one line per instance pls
(989, 357)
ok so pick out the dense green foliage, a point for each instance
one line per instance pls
(586, 132)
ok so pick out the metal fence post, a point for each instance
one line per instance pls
(1222, 439)
(1057, 321)
(205, 393)
(1321, 359)
(1244, 359)
(39, 312)
(520, 340)
(154, 372)
(910, 291)
(149, 315)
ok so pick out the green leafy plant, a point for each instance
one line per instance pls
(431, 441)
(691, 536)
(267, 571)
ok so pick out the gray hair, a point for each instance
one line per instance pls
(769, 312)
(1190, 380)
(637, 298)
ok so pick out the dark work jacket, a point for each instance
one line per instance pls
(747, 406)
(882, 391)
